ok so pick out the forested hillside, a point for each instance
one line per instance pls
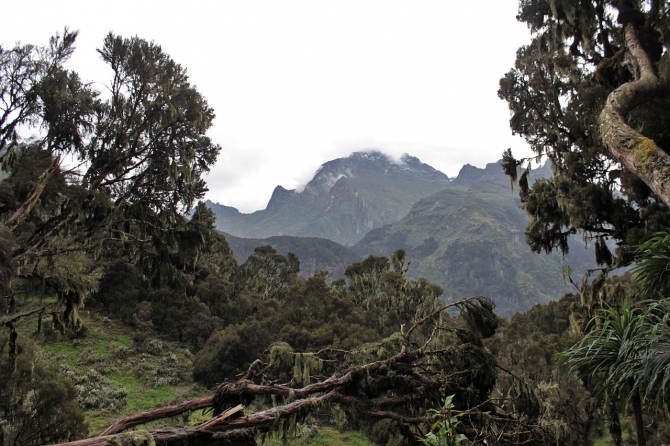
(314, 253)
(470, 239)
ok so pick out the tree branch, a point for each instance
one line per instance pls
(163, 412)
(27, 206)
(638, 153)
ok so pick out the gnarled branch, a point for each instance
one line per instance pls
(639, 154)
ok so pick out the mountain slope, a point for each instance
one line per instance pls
(314, 253)
(346, 198)
(471, 241)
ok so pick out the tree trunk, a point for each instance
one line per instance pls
(218, 431)
(639, 422)
(638, 153)
(614, 424)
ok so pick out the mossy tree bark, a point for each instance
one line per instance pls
(639, 154)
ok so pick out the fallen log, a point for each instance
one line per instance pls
(220, 430)
(157, 414)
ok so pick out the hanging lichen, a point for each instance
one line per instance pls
(303, 367)
(281, 353)
(375, 351)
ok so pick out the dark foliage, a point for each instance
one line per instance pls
(37, 404)
(556, 92)
(309, 316)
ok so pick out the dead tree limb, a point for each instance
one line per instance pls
(157, 414)
(27, 206)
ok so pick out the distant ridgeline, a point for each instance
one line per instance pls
(314, 253)
(465, 234)
(346, 198)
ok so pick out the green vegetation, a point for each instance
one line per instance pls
(114, 377)
(314, 253)
(562, 81)
(324, 436)
(590, 93)
(335, 438)
(446, 427)
(167, 303)
(64, 351)
(467, 238)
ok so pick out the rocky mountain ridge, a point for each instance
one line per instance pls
(346, 198)
(470, 240)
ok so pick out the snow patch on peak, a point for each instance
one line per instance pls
(330, 179)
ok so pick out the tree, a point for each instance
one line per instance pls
(141, 152)
(387, 294)
(590, 92)
(37, 404)
(524, 348)
(268, 273)
(613, 347)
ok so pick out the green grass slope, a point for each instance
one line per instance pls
(113, 376)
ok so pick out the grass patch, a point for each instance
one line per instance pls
(335, 438)
(141, 397)
(97, 335)
(126, 379)
(64, 349)
(331, 437)
(98, 424)
(123, 341)
(199, 416)
(149, 398)
(101, 350)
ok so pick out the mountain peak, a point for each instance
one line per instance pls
(373, 162)
(346, 198)
(280, 198)
(221, 210)
(469, 174)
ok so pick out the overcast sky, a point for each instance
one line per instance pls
(297, 83)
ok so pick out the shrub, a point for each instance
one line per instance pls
(94, 391)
